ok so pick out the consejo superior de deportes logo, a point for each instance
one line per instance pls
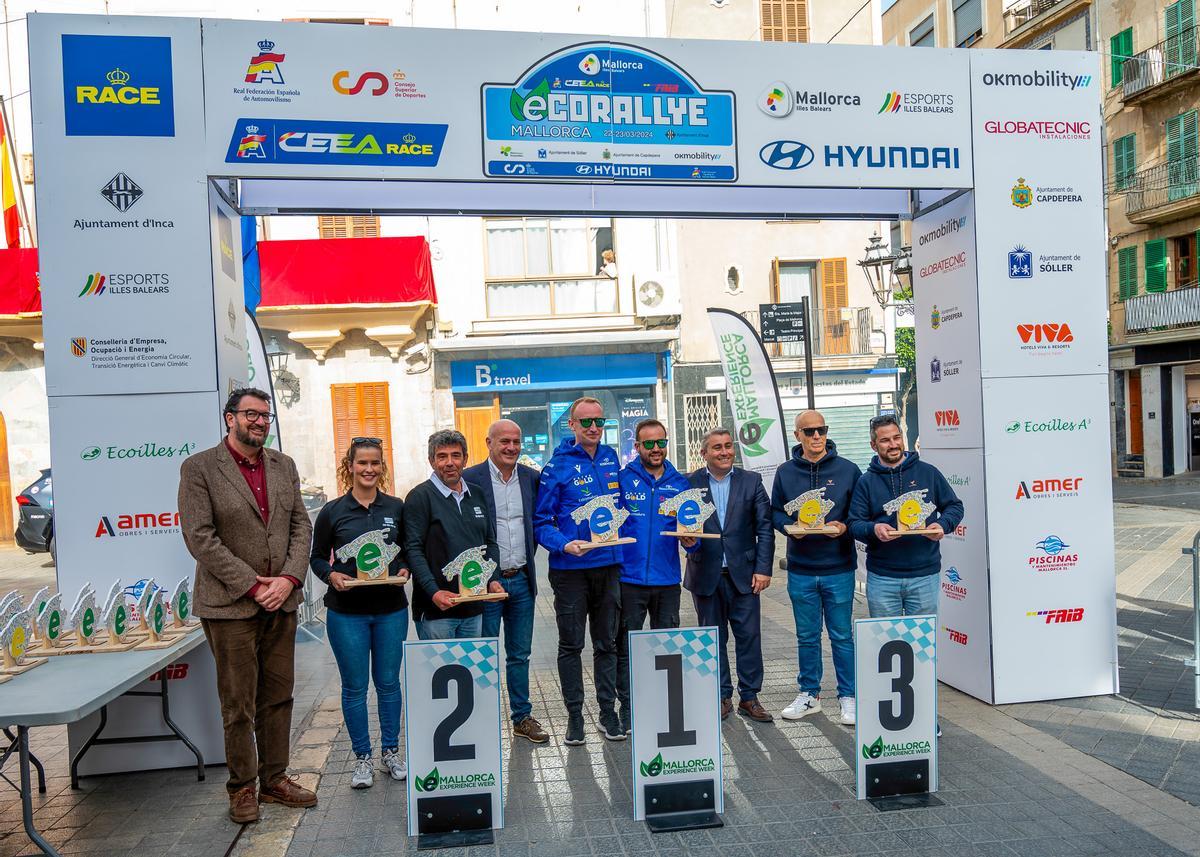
(117, 86)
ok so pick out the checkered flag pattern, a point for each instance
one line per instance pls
(477, 655)
(919, 632)
(697, 645)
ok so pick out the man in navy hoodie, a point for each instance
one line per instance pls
(820, 567)
(650, 567)
(902, 571)
(586, 583)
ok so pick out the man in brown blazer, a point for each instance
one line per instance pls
(244, 521)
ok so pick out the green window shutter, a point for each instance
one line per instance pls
(1120, 48)
(1183, 151)
(1156, 265)
(1179, 50)
(1127, 272)
(1124, 160)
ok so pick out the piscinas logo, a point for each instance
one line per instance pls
(656, 766)
(434, 781)
(880, 750)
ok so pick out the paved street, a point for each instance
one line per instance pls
(1094, 776)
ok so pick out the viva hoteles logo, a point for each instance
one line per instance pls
(435, 781)
(656, 766)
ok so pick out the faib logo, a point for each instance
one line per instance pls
(956, 636)
(1058, 617)
(946, 419)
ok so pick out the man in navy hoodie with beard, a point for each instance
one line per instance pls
(820, 566)
(902, 571)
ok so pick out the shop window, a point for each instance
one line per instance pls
(347, 226)
(923, 35)
(362, 410)
(550, 266)
(968, 22)
(784, 20)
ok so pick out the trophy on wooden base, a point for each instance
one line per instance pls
(810, 509)
(155, 618)
(143, 591)
(911, 513)
(690, 510)
(14, 642)
(604, 519)
(82, 618)
(10, 605)
(36, 604)
(115, 619)
(473, 570)
(372, 555)
(50, 628)
(181, 608)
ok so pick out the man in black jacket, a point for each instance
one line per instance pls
(726, 575)
(510, 491)
(442, 518)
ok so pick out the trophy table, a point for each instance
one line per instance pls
(473, 570)
(690, 510)
(371, 555)
(911, 513)
(604, 519)
(810, 509)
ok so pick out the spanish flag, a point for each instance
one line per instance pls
(12, 222)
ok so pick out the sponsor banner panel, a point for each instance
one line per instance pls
(964, 627)
(947, 327)
(1041, 217)
(233, 358)
(674, 680)
(1050, 538)
(452, 712)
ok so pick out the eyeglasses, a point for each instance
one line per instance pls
(650, 444)
(370, 441)
(253, 416)
(813, 431)
(588, 422)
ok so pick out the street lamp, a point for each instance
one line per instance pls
(277, 357)
(886, 272)
(287, 385)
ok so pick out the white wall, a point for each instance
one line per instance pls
(1152, 426)
(1180, 426)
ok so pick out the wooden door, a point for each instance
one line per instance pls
(474, 423)
(1134, 409)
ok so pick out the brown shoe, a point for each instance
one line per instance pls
(753, 709)
(288, 792)
(531, 729)
(243, 807)
(726, 708)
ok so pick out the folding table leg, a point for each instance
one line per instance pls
(27, 795)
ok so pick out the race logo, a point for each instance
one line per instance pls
(122, 192)
(1057, 617)
(265, 66)
(1041, 489)
(361, 144)
(953, 586)
(1020, 263)
(118, 86)
(1054, 556)
(1022, 194)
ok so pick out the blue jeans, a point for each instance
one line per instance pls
(517, 612)
(369, 643)
(902, 596)
(830, 595)
(450, 629)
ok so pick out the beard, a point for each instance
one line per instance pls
(250, 440)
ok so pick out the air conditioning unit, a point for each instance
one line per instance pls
(656, 295)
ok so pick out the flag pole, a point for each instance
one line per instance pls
(17, 183)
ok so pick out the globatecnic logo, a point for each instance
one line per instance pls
(117, 86)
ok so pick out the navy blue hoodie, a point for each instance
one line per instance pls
(653, 560)
(571, 479)
(838, 476)
(908, 556)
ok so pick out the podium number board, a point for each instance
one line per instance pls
(675, 693)
(896, 679)
(452, 719)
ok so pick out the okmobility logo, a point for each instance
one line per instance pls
(948, 228)
(952, 586)
(435, 781)
(1058, 617)
(1054, 555)
(140, 524)
(879, 750)
(360, 144)
(125, 283)
(1043, 489)
(794, 155)
(1040, 79)
(657, 767)
(117, 86)
(146, 450)
(744, 395)
(1053, 426)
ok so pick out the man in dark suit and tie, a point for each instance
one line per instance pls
(509, 490)
(725, 576)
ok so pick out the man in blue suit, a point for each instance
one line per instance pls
(510, 490)
(725, 576)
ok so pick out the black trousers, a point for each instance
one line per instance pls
(661, 603)
(729, 609)
(588, 598)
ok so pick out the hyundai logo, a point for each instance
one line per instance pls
(786, 155)
(583, 169)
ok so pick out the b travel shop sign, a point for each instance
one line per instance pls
(608, 111)
(554, 373)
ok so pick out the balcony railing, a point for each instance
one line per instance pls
(1163, 310)
(1018, 16)
(1164, 62)
(842, 331)
(1160, 185)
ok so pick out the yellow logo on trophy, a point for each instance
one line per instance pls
(810, 509)
(690, 510)
(911, 512)
(372, 554)
(604, 519)
(473, 570)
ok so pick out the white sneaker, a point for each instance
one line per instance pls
(849, 710)
(391, 761)
(802, 706)
(364, 774)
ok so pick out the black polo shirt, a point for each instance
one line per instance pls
(340, 522)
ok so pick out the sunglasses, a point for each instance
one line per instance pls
(813, 431)
(588, 422)
(650, 444)
(372, 441)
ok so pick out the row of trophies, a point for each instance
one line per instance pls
(30, 634)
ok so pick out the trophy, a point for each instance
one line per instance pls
(50, 626)
(604, 518)
(371, 555)
(810, 509)
(143, 591)
(473, 569)
(911, 513)
(36, 604)
(115, 619)
(181, 608)
(154, 617)
(690, 510)
(14, 641)
(82, 617)
(10, 605)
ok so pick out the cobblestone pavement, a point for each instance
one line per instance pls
(1076, 777)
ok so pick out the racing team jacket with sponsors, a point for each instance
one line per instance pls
(569, 480)
(653, 560)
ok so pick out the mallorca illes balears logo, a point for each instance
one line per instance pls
(657, 767)
(879, 750)
(435, 781)
(779, 100)
(744, 395)
(117, 86)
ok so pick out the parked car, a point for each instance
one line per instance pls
(35, 524)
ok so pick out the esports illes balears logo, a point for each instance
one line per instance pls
(117, 86)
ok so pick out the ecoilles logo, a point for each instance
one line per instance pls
(297, 141)
(139, 524)
(1054, 555)
(1054, 425)
(1045, 336)
(117, 86)
(953, 586)
(1043, 489)
(1058, 617)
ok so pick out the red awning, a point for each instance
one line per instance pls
(19, 281)
(346, 271)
